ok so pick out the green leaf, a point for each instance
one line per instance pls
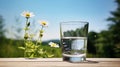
(30, 50)
(50, 55)
(36, 47)
(41, 51)
(21, 48)
(33, 46)
(32, 55)
(28, 44)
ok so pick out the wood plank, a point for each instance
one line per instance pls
(57, 62)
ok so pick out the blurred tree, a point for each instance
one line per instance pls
(115, 28)
(92, 36)
(104, 44)
(1, 26)
(107, 42)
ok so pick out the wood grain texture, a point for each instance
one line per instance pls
(57, 62)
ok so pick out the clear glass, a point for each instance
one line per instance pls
(74, 40)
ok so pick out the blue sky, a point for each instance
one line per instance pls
(55, 11)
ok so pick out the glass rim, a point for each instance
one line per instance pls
(74, 22)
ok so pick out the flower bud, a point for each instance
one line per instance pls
(41, 34)
(28, 24)
(26, 36)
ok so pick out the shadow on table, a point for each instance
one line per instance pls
(87, 61)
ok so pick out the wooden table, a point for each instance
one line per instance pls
(57, 62)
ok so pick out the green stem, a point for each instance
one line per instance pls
(39, 38)
(26, 25)
(37, 41)
(24, 35)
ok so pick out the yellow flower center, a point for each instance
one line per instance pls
(27, 15)
(44, 23)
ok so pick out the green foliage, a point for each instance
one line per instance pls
(107, 43)
(10, 49)
(55, 51)
(114, 29)
(91, 48)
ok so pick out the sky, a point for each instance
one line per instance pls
(54, 12)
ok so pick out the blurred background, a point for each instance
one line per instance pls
(103, 17)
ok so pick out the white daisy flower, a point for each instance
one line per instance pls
(43, 23)
(52, 44)
(27, 14)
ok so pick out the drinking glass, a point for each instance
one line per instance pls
(74, 40)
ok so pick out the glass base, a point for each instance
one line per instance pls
(74, 59)
(77, 59)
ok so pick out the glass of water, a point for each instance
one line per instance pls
(74, 40)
